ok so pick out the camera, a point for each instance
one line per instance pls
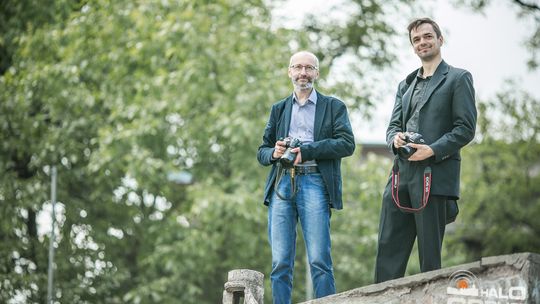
(288, 157)
(410, 137)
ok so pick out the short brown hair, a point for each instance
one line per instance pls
(417, 22)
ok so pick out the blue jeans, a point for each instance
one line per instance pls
(310, 206)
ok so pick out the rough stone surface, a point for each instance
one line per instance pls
(506, 279)
(248, 282)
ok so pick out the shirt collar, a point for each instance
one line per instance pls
(420, 73)
(312, 96)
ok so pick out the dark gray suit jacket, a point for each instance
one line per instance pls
(333, 139)
(447, 122)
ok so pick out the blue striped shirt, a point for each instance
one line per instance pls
(303, 120)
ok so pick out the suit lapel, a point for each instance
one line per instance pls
(320, 109)
(284, 130)
(406, 101)
(438, 77)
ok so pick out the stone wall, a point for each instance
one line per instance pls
(243, 286)
(504, 279)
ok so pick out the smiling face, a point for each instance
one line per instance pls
(426, 43)
(303, 70)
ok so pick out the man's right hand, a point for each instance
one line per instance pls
(279, 149)
(399, 140)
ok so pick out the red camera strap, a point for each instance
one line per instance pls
(425, 189)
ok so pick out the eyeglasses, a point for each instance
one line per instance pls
(299, 67)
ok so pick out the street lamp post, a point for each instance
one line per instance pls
(50, 274)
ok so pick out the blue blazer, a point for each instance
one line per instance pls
(447, 121)
(333, 139)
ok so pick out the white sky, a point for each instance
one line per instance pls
(489, 45)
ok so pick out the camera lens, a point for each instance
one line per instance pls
(287, 159)
(406, 151)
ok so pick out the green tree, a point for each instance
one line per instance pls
(501, 200)
(355, 229)
(117, 94)
(360, 43)
(25, 17)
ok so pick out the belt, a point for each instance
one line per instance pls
(303, 170)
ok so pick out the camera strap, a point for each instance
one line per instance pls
(426, 188)
(280, 172)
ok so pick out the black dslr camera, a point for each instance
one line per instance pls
(410, 137)
(288, 157)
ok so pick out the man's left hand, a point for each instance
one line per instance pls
(298, 159)
(422, 152)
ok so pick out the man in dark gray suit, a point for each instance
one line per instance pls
(437, 102)
(304, 191)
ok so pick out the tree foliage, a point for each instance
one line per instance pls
(361, 44)
(117, 95)
(501, 200)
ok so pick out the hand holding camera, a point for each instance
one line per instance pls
(279, 149)
(399, 140)
(409, 137)
(284, 151)
(414, 147)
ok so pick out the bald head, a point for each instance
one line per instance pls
(303, 71)
(304, 55)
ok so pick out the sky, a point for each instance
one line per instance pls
(489, 45)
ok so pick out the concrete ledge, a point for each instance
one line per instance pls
(508, 279)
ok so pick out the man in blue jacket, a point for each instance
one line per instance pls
(437, 102)
(307, 189)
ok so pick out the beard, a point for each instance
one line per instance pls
(302, 86)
